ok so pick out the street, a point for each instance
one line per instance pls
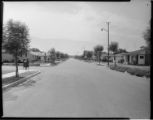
(79, 89)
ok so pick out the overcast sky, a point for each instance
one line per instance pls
(71, 27)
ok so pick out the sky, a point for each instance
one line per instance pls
(72, 27)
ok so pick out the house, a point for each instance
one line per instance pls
(32, 56)
(35, 56)
(104, 56)
(121, 58)
(6, 57)
(139, 57)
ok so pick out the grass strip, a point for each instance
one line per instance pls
(12, 79)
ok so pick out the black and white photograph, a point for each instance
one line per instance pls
(77, 59)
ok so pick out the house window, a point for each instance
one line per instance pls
(141, 57)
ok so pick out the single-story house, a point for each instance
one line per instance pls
(104, 56)
(32, 56)
(138, 57)
(121, 58)
(6, 57)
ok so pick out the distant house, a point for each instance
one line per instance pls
(35, 56)
(122, 58)
(104, 56)
(32, 56)
(6, 57)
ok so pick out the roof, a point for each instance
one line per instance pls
(37, 53)
(121, 54)
(106, 54)
(141, 51)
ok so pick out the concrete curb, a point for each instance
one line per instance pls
(20, 81)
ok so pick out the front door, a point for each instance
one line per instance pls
(141, 59)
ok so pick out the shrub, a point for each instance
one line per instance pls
(139, 73)
(147, 74)
(121, 69)
(131, 71)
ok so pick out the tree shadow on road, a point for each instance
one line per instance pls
(27, 84)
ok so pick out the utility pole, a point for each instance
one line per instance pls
(107, 30)
(108, 41)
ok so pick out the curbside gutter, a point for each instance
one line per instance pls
(20, 81)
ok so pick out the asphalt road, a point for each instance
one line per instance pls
(79, 89)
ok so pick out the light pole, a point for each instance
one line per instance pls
(107, 30)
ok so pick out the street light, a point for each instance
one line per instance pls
(103, 29)
(107, 30)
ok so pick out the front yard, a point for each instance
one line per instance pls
(7, 71)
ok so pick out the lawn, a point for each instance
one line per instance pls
(9, 68)
(7, 71)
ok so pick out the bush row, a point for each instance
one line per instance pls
(132, 71)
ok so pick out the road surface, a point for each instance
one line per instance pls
(79, 89)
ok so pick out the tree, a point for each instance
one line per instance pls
(62, 55)
(52, 55)
(120, 50)
(143, 47)
(16, 40)
(85, 54)
(4, 36)
(58, 54)
(35, 50)
(45, 57)
(114, 48)
(98, 50)
(66, 55)
(89, 54)
(147, 37)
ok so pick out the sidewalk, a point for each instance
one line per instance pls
(11, 74)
